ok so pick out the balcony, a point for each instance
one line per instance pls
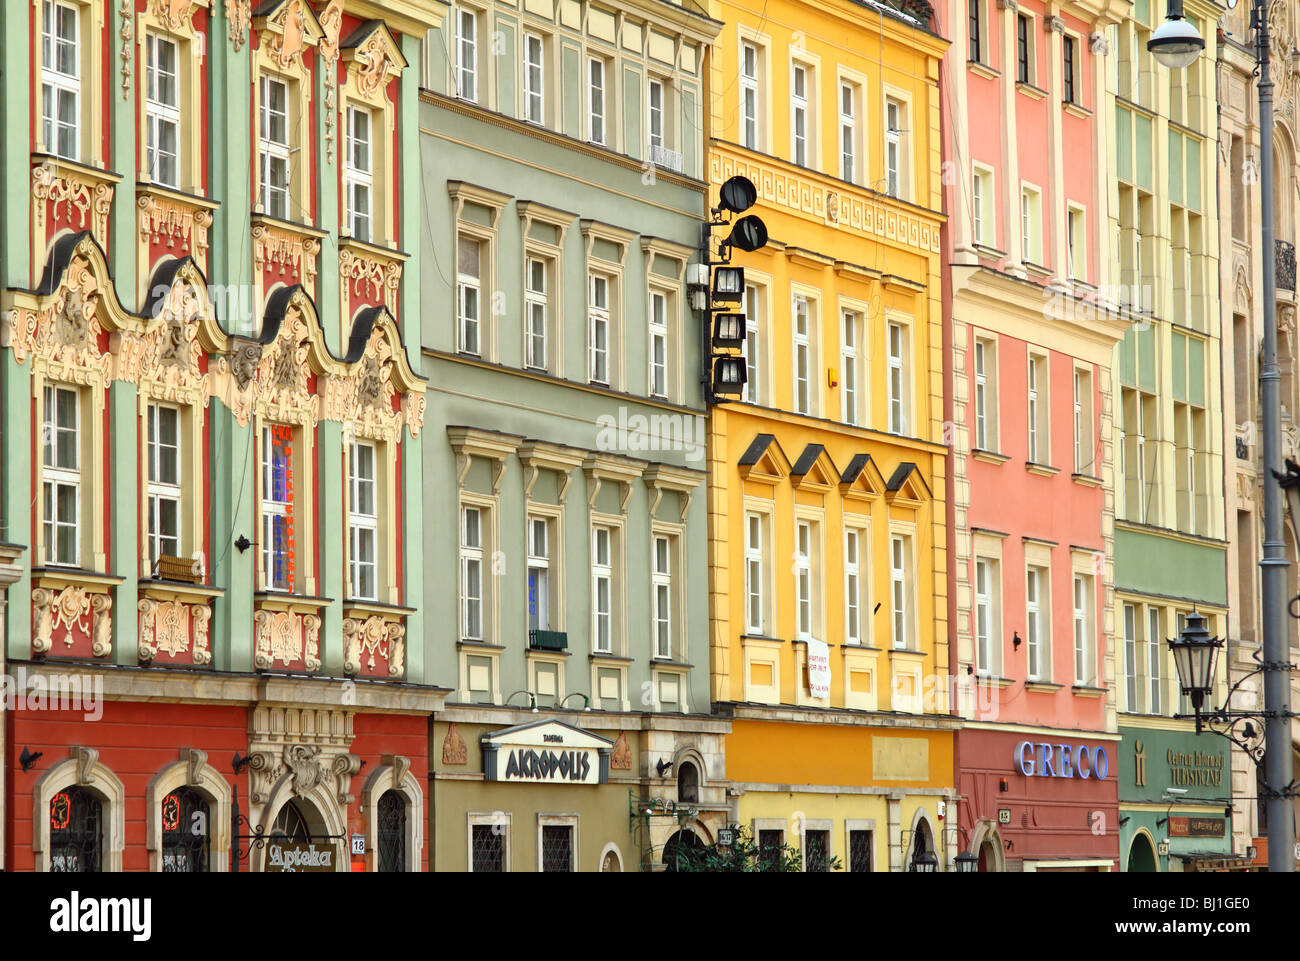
(1285, 265)
(548, 640)
(665, 158)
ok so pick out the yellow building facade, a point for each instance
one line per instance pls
(827, 476)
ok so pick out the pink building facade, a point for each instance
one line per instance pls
(1030, 326)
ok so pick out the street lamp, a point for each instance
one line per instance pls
(967, 863)
(1194, 653)
(925, 863)
(1176, 44)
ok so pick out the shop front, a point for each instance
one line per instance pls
(846, 793)
(1175, 799)
(1038, 799)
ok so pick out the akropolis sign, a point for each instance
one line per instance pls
(1041, 759)
(546, 752)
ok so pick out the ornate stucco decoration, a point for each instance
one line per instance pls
(237, 17)
(165, 628)
(363, 639)
(1282, 41)
(126, 33)
(182, 227)
(72, 608)
(374, 62)
(281, 388)
(331, 22)
(70, 190)
(621, 757)
(297, 751)
(453, 747)
(288, 30)
(287, 637)
(284, 251)
(182, 330)
(365, 274)
(176, 15)
(231, 377)
(1098, 44)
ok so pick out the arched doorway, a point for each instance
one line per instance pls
(988, 856)
(299, 840)
(683, 851)
(922, 844)
(1141, 855)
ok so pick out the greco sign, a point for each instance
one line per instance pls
(546, 752)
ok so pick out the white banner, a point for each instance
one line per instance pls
(819, 668)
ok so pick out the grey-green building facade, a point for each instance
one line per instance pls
(565, 550)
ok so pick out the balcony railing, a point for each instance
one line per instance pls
(668, 159)
(548, 640)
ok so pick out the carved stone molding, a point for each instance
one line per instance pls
(620, 759)
(331, 22)
(176, 15)
(183, 226)
(238, 13)
(70, 189)
(195, 760)
(165, 627)
(86, 758)
(363, 639)
(126, 34)
(283, 251)
(362, 272)
(1098, 44)
(308, 744)
(453, 747)
(278, 636)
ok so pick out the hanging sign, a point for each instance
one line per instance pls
(292, 857)
(819, 668)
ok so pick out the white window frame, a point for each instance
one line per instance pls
(987, 637)
(897, 373)
(657, 116)
(855, 538)
(900, 621)
(469, 328)
(60, 84)
(272, 509)
(359, 181)
(158, 490)
(539, 564)
(597, 96)
(750, 97)
(753, 349)
(473, 554)
(658, 384)
(1038, 613)
(850, 161)
(159, 114)
(536, 305)
(602, 572)
(756, 572)
(800, 147)
(1154, 656)
(55, 477)
(1084, 643)
(895, 156)
(272, 150)
(534, 105)
(662, 588)
(851, 335)
(598, 319)
(465, 62)
(1130, 612)
(1038, 408)
(1031, 225)
(802, 356)
(361, 523)
(808, 579)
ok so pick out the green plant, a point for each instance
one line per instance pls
(745, 855)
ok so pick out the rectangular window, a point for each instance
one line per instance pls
(973, 18)
(897, 379)
(61, 476)
(753, 346)
(655, 113)
(469, 275)
(358, 176)
(539, 574)
(848, 132)
(986, 586)
(1030, 226)
(662, 583)
(803, 573)
(816, 850)
(534, 79)
(1022, 49)
(274, 143)
(163, 454)
(1084, 668)
(1067, 74)
(860, 851)
(755, 575)
(363, 522)
(802, 357)
(893, 148)
(277, 508)
(1075, 244)
(1130, 658)
(1083, 446)
(598, 330)
(1037, 411)
(471, 573)
(596, 101)
(770, 848)
(799, 114)
(850, 324)
(602, 589)
(853, 541)
(658, 344)
(488, 848)
(984, 419)
(749, 96)
(557, 847)
(162, 111)
(899, 558)
(467, 55)
(61, 79)
(1155, 642)
(1036, 633)
(535, 311)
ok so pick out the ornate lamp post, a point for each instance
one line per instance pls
(1176, 44)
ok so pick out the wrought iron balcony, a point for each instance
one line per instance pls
(668, 159)
(548, 640)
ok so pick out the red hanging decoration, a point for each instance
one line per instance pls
(60, 811)
(171, 813)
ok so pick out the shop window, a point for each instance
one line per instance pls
(76, 832)
(392, 831)
(187, 829)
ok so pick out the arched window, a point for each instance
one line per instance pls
(186, 832)
(291, 824)
(76, 832)
(922, 846)
(392, 831)
(683, 851)
(688, 783)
